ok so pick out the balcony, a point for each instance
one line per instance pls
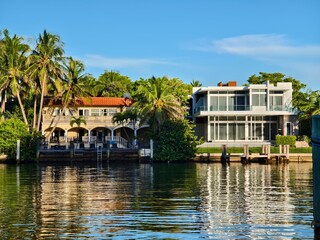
(224, 108)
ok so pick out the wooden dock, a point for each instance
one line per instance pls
(62, 155)
(265, 156)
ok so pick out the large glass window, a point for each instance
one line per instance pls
(241, 132)
(232, 131)
(223, 131)
(222, 103)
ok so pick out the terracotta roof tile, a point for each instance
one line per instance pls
(105, 102)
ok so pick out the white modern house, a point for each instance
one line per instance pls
(252, 114)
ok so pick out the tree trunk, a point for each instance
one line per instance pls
(41, 103)
(56, 123)
(3, 101)
(34, 125)
(22, 109)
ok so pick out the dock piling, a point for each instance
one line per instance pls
(315, 138)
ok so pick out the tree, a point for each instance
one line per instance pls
(69, 91)
(308, 105)
(14, 129)
(157, 103)
(176, 142)
(195, 83)
(129, 115)
(12, 64)
(78, 121)
(112, 84)
(45, 64)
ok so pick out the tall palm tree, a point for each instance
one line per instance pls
(69, 91)
(158, 103)
(78, 121)
(45, 64)
(12, 64)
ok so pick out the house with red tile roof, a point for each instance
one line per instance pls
(98, 127)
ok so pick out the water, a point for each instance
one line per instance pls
(166, 201)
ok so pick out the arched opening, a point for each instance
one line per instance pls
(100, 134)
(143, 139)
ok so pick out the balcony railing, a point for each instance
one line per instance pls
(224, 108)
(241, 108)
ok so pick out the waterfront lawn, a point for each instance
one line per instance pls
(252, 150)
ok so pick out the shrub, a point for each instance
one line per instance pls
(176, 141)
(13, 129)
(285, 140)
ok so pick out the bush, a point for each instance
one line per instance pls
(286, 140)
(176, 141)
(13, 129)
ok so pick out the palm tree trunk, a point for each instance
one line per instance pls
(22, 110)
(34, 125)
(3, 102)
(56, 123)
(41, 105)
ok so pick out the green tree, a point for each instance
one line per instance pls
(78, 121)
(13, 129)
(157, 103)
(128, 116)
(176, 142)
(45, 64)
(88, 84)
(112, 84)
(196, 83)
(309, 104)
(12, 65)
(69, 91)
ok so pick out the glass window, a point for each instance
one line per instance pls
(112, 111)
(222, 103)
(232, 131)
(223, 131)
(255, 100)
(95, 112)
(241, 132)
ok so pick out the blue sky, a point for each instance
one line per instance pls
(205, 40)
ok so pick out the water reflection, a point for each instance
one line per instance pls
(140, 201)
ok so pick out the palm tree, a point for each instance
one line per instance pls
(195, 83)
(129, 115)
(12, 64)
(158, 103)
(77, 121)
(69, 91)
(45, 64)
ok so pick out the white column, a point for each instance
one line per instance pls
(66, 135)
(209, 129)
(135, 136)
(112, 134)
(89, 135)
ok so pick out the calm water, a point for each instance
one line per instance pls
(165, 201)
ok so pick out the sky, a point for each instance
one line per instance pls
(206, 40)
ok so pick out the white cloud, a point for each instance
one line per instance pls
(107, 62)
(261, 46)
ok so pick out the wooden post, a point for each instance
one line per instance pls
(18, 151)
(151, 150)
(287, 151)
(315, 138)
(38, 149)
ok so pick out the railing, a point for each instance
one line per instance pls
(224, 108)
(240, 108)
